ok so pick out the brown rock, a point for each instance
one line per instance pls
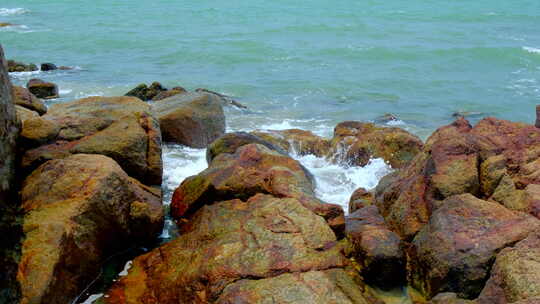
(230, 142)
(192, 119)
(515, 275)
(449, 298)
(375, 248)
(537, 124)
(78, 211)
(168, 93)
(24, 98)
(14, 66)
(355, 143)
(42, 89)
(225, 100)
(48, 67)
(122, 128)
(234, 250)
(24, 114)
(250, 170)
(359, 199)
(455, 251)
(144, 92)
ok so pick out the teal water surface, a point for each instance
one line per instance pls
(314, 62)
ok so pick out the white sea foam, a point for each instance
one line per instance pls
(24, 75)
(65, 91)
(91, 299)
(124, 272)
(531, 50)
(396, 122)
(13, 11)
(180, 162)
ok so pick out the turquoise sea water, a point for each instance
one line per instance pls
(314, 62)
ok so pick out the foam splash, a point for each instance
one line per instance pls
(13, 11)
(531, 50)
(335, 183)
(124, 272)
(180, 162)
(91, 299)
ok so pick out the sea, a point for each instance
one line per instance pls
(295, 64)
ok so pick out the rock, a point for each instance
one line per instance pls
(168, 93)
(375, 248)
(235, 251)
(230, 142)
(449, 298)
(6, 24)
(14, 66)
(48, 67)
(24, 98)
(537, 124)
(359, 199)
(42, 89)
(144, 92)
(515, 277)
(24, 114)
(65, 68)
(122, 128)
(226, 100)
(495, 160)
(10, 229)
(191, 119)
(455, 251)
(252, 169)
(297, 141)
(355, 143)
(78, 211)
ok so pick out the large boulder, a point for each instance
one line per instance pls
(376, 248)
(454, 252)
(78, 211)
(23, 114)
(24, 98)
(243, 252)
(42, 89)
(122, 128)
(297, 141)
(169, 93)
(355, 143)
(359, 199)
(252, 169)
(515, 277)
(496, 160)
(10, 229)
(230, 142)
(191, 119)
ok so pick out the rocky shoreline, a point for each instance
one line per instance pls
(458, 220)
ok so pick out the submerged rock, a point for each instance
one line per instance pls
(14, 66)
(24, 98)
(355, 143)
(375, 248)
(252, 169)
(122, 128)
(42, 89)
(78, 211)
(48, 67)
(455, 251)
(242, 252)
(191, 119)
(515, 277)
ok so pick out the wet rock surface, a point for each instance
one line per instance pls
(78, 211)
(42, 89)
(24, 98)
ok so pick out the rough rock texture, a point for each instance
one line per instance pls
(252, 169)
(48, 67)
(122, 128)
(24, 114)
(10, 229)
(537, 124)
(238, 252)
(359, 199)
(355, 143)
(145, 93)
(449, 298)
(495, 160)
(191, 119)
(455, 251)
(42, 89)
(376, 249)
(297, 141)
(230, 142)
(14, 66)
(78, 211)
(515, 275)
(24, 98)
